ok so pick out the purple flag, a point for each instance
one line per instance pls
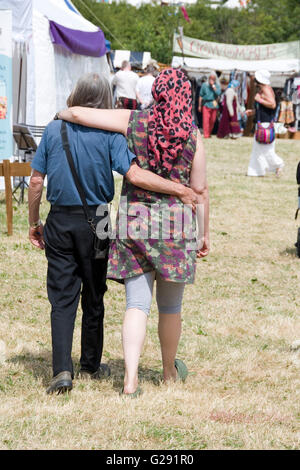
(79, 42)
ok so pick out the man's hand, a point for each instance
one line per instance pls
(151, 182)
(36, 236)
(204, 250)
(188, 196)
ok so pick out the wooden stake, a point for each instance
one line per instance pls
(7, 170)
(8, 197)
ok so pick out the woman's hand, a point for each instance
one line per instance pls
(249, 112)
(266, 97)
(258, 97)
(204, 247)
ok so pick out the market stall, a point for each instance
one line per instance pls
(53, 45)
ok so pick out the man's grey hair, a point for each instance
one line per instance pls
(150, 69)
(212, 74)
(91, 91)
(125, 64)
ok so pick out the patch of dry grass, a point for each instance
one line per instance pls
(240, 319)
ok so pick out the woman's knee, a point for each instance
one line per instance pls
(169, 296)
(139, 292)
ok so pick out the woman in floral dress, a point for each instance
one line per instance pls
(148, 245)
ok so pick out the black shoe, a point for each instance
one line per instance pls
(101, 373)
(61, 383)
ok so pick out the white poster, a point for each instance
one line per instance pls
(6, 139)
(213, 50)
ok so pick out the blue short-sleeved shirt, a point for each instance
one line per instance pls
(95, 153)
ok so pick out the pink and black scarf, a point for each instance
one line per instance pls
(171, 119)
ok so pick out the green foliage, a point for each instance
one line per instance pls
(150, 27)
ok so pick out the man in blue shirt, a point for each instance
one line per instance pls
(68, 238)
(208, 103)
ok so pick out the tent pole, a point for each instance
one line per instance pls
(20, 84)
(180, 29)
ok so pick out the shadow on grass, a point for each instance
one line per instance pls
(145, 374)
(289, 251)
(40, 366)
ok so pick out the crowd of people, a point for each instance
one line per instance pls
(163, 164)
(131, 91)
(218, 109)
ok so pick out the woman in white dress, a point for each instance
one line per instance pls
(264, 158)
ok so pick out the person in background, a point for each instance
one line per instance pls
(229, 125)
(144, 87)
(208, 104)
(67, 236)
(223, 85)
(125, 81)
(199, 82)
(263, 157)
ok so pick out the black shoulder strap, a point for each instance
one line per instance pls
(257, 112)
(66, 147)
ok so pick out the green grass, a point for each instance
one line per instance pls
(239, 321)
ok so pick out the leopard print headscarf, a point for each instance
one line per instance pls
(171, 119)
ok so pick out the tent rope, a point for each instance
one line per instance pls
(102, 24)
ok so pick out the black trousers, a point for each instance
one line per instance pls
(68, 245)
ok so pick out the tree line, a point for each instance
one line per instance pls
(150, 27)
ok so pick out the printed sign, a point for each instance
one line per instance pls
(6, 140)
(213, 50)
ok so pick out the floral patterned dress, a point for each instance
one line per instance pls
(145, 240)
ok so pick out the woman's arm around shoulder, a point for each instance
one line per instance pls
(114, 120)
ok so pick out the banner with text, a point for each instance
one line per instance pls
(6, 140)
(213, 50)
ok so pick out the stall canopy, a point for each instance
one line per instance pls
(284, 66)
(53, 45)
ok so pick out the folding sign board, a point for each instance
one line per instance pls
(6, 138)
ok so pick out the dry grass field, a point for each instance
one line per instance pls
(240, 320)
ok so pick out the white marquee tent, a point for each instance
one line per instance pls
(44, 73)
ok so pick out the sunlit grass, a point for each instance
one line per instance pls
(239, 321)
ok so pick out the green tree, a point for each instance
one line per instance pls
(151, 27)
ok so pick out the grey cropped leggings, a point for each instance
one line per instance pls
(139, 291)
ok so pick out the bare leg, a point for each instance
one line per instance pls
(133, 336)
(169, 331)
